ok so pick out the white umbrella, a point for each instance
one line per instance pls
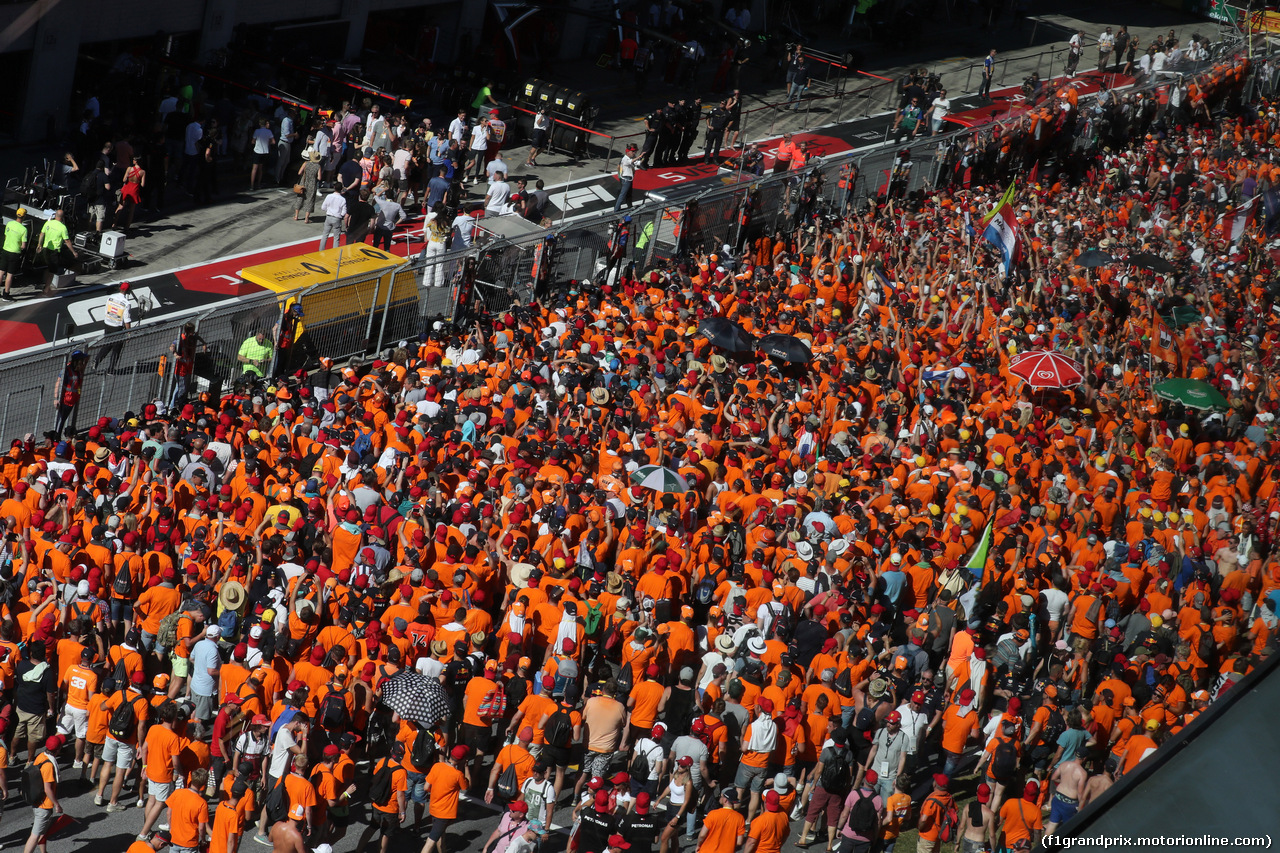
(659, 479)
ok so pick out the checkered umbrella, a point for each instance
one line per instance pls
(415, 697)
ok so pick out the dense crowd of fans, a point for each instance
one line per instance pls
(668, 593)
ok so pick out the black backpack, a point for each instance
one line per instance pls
(639, 768)
(424, 750)
(1004, 761)
(380, 787)
(1054, 729)
(508, 784)
(333, 710)
(277, 802)
(123, 584)
(124, 719)
(33, 785)
(558, 731)
(844, 683)
(837, 774)
(862, 817)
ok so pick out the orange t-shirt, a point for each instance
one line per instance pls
(1018, 818)
(957, 729)
(187, 811)
(724, 828)
(445, 783)
(81, 683)
(477, 689)
(227, 820)
(162, 745)
(647, 695)
(99, 719)
(302, 795)
(770, 830)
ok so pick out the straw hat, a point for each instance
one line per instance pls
(232, 595)
(315, 157)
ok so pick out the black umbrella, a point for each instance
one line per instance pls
(415, 697)
(726, 335)
(1149, 261)
(785, 348)
(1094, 258)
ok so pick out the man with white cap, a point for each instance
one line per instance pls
(206, 665)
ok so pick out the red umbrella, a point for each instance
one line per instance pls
(1045, 369)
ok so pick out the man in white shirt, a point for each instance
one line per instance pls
(1106, 41)
(496, 165)
(499, 195)
(335, 215)
(938, 112)
(117, 317)
(1073, 53)
(626, 175)
(1158, 62)
(458, 128)
(479, 145)
(464, 227)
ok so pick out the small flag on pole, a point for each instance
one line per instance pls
(978, 561)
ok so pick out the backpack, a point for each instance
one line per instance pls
(333, 710)
(363, 444)
(229, 623)
(837, 776)
(277, 802)
(948, 820)
(709, 733)
(508, 785)
(613, 640)
(558, 731)
(33, 784)
(493, 706)
(566, 676)
(424, 750)
(862, 817)
(1053, 728)
(167, 636)
(1004, 761)
(591, 622)
(124, 719)
(844, 683)
(123, 584)
(705, 592)
(380, 787)
(639, 768)
(736, 542)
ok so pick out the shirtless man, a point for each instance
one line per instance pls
(1096, 785)
(286, 837)
(1069, 779)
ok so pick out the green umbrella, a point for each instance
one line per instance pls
(1182, 316)
(1191, 393)
(659, 479)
